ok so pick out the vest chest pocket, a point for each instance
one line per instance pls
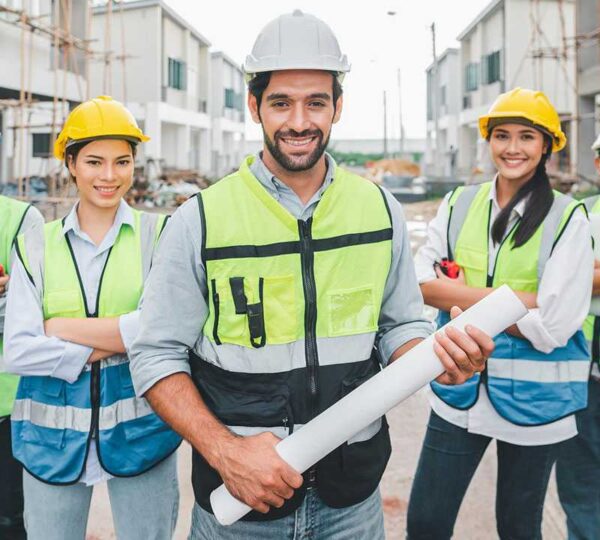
(63, 303)
(250, 311)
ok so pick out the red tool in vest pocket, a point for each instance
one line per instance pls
(450, 268)
(1, 270)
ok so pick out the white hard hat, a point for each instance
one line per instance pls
(596, 145)
(296, 41)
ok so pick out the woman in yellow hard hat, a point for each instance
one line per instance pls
(513, 230)
(71, 316)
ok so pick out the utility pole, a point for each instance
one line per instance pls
(400, 114)
(385, 141)
(434, 105)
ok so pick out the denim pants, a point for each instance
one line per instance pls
(144, 507)
(449, 458)
(313, 520)
(11, 488)
(578, 472)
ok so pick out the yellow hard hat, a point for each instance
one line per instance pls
(526, 105)
(101, 117)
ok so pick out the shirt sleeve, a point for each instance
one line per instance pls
(436, 245)
(32, 218)
(174, 303)
(401, 318)
(27, 349)
(565, 290)
(129, 325)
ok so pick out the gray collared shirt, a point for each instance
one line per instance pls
(175, 301)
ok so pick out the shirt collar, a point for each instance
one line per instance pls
(274, 186)
(519, 207)
(124, 216)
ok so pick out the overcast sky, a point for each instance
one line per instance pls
(376, 43)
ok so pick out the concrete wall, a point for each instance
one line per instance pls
(143, 48)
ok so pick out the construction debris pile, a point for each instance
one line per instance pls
(170, 189)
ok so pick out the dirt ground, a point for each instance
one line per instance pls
(407, 424)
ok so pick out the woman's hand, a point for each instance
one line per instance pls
(458, 280)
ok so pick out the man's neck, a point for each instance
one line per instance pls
(304, 183)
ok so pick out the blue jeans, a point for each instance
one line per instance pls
(312, 520)
(144, 507)
(578, 472)
(449, 458)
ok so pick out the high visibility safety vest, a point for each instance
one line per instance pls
(12, 214)
(525, 386)
(54, 421)
(591, 326)
(293, 314)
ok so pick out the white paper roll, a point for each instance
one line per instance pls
(374, 398)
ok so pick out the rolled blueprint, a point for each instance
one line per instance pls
(595, 226)
(333, 427)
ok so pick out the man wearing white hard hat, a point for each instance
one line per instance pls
(276, 292)
(578, 466)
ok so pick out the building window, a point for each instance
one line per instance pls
(41, 145)
(471, 76)
(177, 71)
(229, 98)
(490, 68)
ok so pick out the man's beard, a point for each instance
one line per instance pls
(296, 163)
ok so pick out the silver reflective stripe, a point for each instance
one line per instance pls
(245, 431)
(34, 254)
(279, 431)
(285, 357)
(148, 223)
(460, 209)
(550, 231)
(51, 416)
(539, 371)
(123, 411)
(76, 418)
(590, 202)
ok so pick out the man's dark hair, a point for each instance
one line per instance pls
(260, 81)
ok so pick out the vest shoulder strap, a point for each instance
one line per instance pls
(151, 226)
(458, 214)
(590, 202)
(31, 247)
(551, 230)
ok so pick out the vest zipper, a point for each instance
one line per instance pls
(95, 399)
(310, 311)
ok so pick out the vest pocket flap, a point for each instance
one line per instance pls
(41, 436)
(473, 259)
(49, 386)
(238, 408)
(62, 302)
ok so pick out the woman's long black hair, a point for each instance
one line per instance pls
(536, 208)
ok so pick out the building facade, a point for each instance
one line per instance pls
(440, 159)
(163, 76)
(30, 64)
(510, 43)
(227, 111)
(588, 83)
